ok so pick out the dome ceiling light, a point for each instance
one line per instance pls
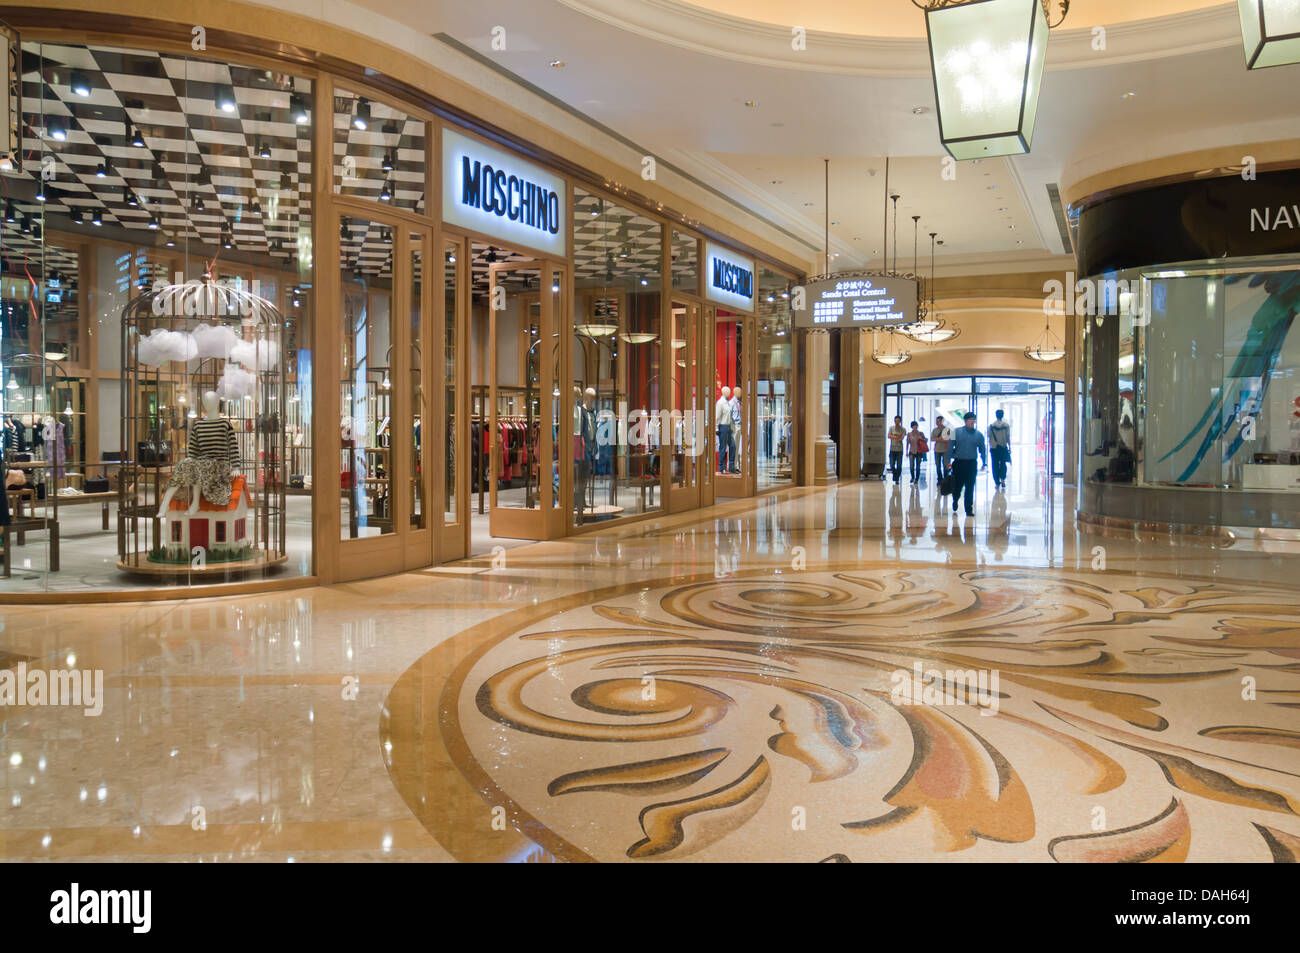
(1047, 348)
(986, 59)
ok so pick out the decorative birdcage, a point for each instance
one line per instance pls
(182, 343)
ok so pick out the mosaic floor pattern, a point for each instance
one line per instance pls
(1066, 716)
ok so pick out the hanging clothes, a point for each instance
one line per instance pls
(55, 453)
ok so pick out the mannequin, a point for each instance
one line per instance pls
(210, 456)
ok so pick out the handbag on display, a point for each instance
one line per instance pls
(95, 485)
(154, 451)
(296, 481)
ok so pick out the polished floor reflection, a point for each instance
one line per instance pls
(732, 684)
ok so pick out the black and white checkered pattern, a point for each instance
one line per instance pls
(250, 170)
(359, 154)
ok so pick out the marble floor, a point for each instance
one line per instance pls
(822, 674)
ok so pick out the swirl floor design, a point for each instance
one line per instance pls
(757, 718)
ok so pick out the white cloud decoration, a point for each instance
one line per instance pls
(236, 383)
(256, 355)
(214, 340)
(162, 346)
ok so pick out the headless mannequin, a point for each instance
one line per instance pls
(211, 412)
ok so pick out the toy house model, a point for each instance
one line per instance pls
(212, 526)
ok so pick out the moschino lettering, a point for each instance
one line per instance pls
(508, 196)
(733, 278)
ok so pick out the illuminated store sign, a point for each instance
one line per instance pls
(858, 302)
(492, 192)
(728, 278)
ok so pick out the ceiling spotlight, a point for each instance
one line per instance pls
(79, 84)
(153, 222)
(1129, 95)
(171, 242)
(388, 236)
(101, 170)
(298, 109)
(27, 224)
(361, 118)
(9, 211)
(135, 137)
(131, 200)
(751, 103)
(57, 129)
(227, 240)
(198, 203)
(40, 195)
(387, 164)
(96, 217)
(920, 110)
(77, 217)
(557, 64)
(263, 150)
(387, 193)
(224, 99)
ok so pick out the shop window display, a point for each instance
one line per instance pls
(730, 412)
(618, 428)
(160, 169)
(1191, 378)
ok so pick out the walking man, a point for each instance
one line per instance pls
(939, 437)
(722, 417)
(897, 434)
(966, 444)
(1000, 449)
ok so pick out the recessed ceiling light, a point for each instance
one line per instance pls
(920, 110)
(751, 103)
(776, 181)
(557, 64)
(1011, 226)
(834, 223)
(1002, 209)
(1129, 95)
(807, 204)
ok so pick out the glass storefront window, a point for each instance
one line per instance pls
(774, 388)
(379, 152)
(618, 427)
(451, 374)
(685, 252)
(1188, 378)
(366, 424)
(156, 165)
(419, 405)
(730, 407)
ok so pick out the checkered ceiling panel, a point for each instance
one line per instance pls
(211, 153)
(379, 152)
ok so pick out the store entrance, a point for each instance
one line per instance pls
(690, 484)
(384, 476)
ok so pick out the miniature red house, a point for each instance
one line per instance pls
(211, 526)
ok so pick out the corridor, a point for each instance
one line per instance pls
(841, 673)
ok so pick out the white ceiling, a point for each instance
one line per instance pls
(676, 81)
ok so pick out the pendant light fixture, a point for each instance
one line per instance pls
(1047, 348)
(926, 321)
(1270, 32)
(936, 330)
(986, 59)
(893, 354)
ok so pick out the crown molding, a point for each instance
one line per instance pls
(692, 28)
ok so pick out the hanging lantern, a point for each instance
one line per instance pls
(986, 58)
(1270, 31)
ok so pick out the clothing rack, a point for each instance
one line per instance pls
(507, 397)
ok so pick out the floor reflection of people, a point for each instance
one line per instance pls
(915, 521)
(896, 513)
(998, 536)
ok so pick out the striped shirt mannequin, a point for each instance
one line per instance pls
(213, 438)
